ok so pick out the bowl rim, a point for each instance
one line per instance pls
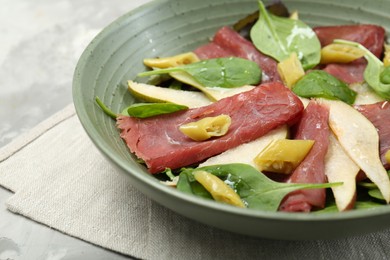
(151, 182)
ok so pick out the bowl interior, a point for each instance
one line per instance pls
(163, 28)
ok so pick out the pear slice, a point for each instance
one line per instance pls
(365, 94)
(339, 167)
(305, 101)
(215, 93)
(152, 93)
(245, 153)
(359, 138)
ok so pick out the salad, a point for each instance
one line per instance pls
(268, 115)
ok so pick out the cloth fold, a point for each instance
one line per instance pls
(61, 180)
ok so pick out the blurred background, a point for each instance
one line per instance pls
(40, 43)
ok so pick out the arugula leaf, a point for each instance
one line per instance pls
(278, 37)
(319, 83)
(144, 110)
(254, 188)
(375, 74)
(221, 72)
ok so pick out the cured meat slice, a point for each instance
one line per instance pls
(227, 43)
(313, 126)
(211, 51)
(370, 36)
(349, 73)
(159, 142)
(379, 116)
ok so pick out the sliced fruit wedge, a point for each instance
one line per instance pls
(152, 93)
(360, 141)
(173, 61)
(305, 101)
(215, 93)
(365, 94)
(245, 153)
(339, 167)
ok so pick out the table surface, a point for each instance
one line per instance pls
(40, 44)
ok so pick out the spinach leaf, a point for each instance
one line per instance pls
(188, 184)
(244, 25)
(373, 190)
(254, 188)
(144, 110)
(278, 37)
(358, 205)
(221, 72)
(376, 194)
(318, 83)
(367, 185)
(367, 204)
(375, 74)
(385, 75)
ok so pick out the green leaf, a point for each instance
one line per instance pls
(372, 75)
(367, 185)
(221, 72)
(358, 205)
(278, 37)
(254, 188)
(144, 110)
(375, 74)
(318, 83)
(376, 193)
(169, 173)
(373, 190)
(189, 185)
(175, 84)
(367, 204)
(385, 75)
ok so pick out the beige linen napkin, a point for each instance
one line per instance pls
(61, 180)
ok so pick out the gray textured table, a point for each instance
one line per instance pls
(40, 44)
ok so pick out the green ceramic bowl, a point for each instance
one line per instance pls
(162, 28)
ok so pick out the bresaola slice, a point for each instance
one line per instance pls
(227, 43)
(158, 141)
(313, 126)
(349, 73)
(370, 36)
